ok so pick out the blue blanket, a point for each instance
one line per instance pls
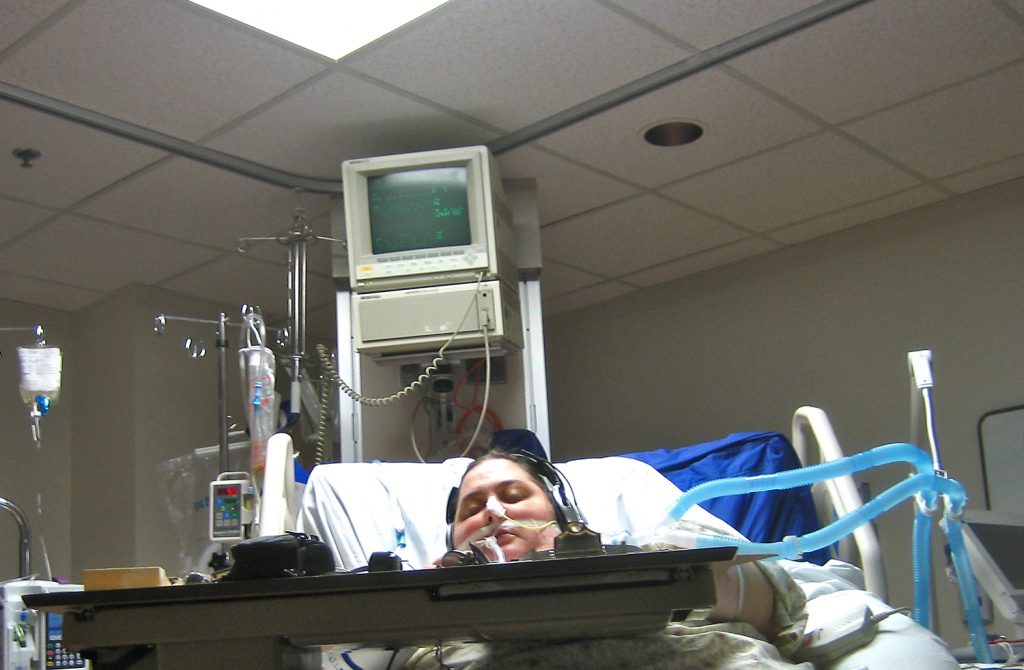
(744, 455)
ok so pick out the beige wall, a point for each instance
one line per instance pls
(827, 323)
(129, 401)
(28, 472)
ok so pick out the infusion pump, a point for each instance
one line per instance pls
(34, 640)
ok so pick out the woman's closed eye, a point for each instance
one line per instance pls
(469, 508)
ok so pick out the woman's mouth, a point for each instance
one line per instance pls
(502, 533)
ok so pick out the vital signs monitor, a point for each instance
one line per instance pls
(427, 219)
(432, 253)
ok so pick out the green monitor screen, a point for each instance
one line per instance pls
(419, 209)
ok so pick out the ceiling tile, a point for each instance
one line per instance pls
(98, 256)
(700, 261)
(340, 117)
(558, 279)
(586, 297)
(17, 217)
(706, 24)
(884, 52)
(192, 201)
(954, 130)
(989, 175)
(17, 17)
(512, 62)
(236, 280)
(807, 178)
(857, 214)
(737, 121)
(630, 235)
(156, 64)
(564, 188)
(75, 161)
(895, 71)
(55, 295)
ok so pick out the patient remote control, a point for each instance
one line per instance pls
(834, 629)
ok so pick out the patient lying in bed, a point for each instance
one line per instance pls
(504, 512)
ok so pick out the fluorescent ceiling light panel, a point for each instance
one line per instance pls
(333, 28)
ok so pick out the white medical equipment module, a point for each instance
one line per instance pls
(33, 640)
(430, 237)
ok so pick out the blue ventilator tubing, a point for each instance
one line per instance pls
(926, 485)
(922, 546)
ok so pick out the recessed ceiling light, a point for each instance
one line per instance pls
(329, 27)
(673, 133)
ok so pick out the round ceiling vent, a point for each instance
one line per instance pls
(673, 133)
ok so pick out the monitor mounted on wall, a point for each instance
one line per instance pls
(429, 218)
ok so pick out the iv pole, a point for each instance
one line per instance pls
(197, 350)
(297, 239)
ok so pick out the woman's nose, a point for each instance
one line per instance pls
(495, 507)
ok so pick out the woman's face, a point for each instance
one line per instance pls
(523, 499)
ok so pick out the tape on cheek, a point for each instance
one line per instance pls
(510, 524)
(479, 534)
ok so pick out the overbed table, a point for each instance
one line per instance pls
(280, 623)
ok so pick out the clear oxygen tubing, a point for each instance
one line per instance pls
(926, 484)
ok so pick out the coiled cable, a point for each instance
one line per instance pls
(331, 373)
(323, 416)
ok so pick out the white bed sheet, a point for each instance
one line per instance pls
(360, 508)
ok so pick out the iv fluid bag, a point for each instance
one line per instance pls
(258, 377)
(40, 372)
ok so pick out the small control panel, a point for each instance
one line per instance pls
(56, 654)
(422, 262)
(226, 509)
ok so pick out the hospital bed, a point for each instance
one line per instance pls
(362, 508)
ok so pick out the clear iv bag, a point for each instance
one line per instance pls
(40, 372)
(258, 378)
